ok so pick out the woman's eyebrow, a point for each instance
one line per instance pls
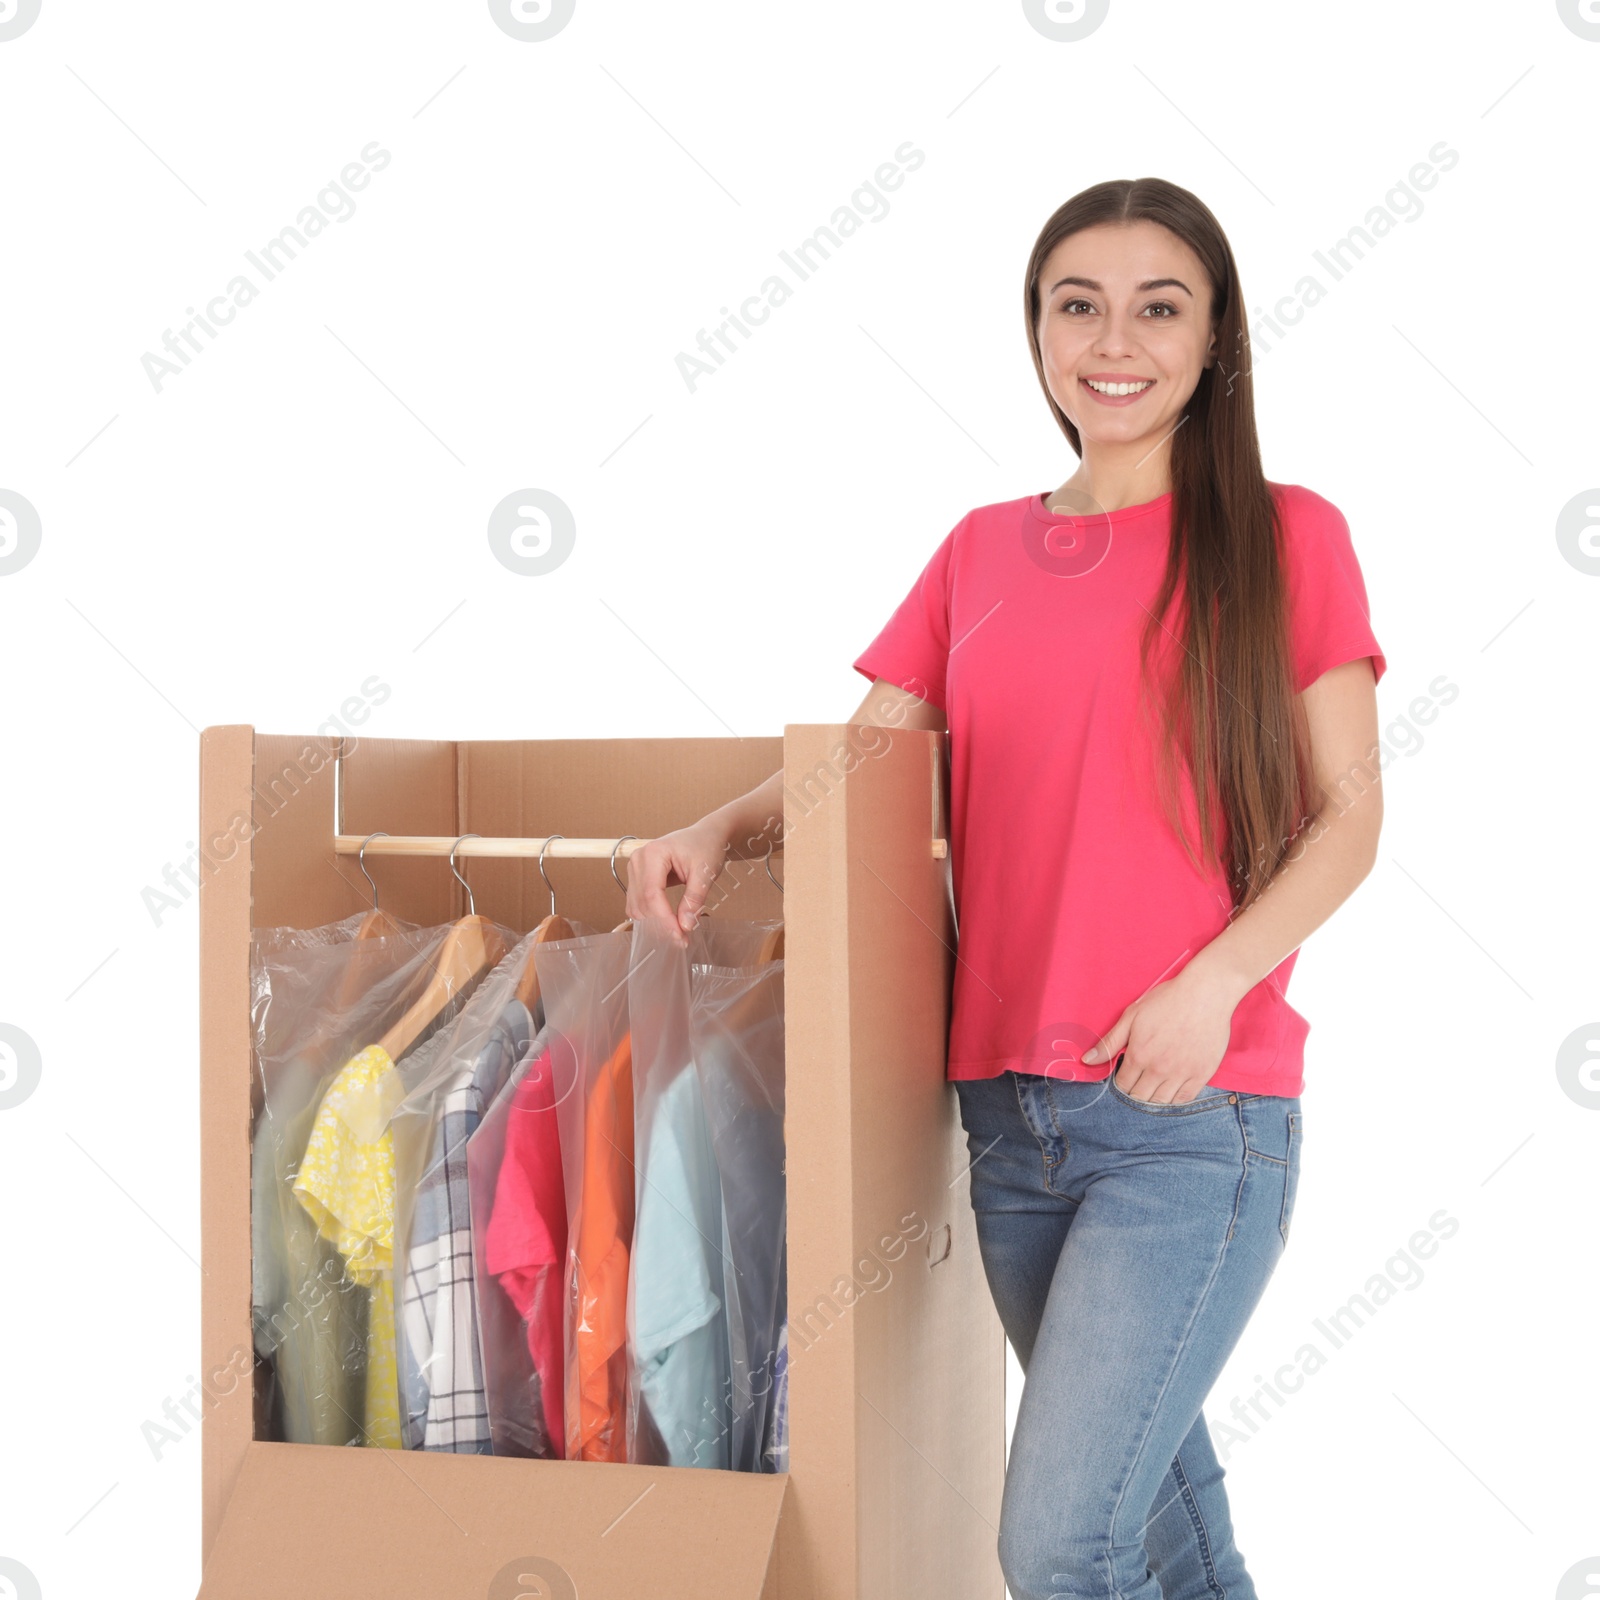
(1142, 288)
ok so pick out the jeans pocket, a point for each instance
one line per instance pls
(1291, 1177)
(1209, 1098)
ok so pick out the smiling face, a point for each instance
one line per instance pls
(1124, 333)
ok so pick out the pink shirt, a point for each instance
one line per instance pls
(1073, 893)
(526, 1244)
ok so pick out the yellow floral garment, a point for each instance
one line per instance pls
(347, 1185)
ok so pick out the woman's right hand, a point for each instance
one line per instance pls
(693, 856)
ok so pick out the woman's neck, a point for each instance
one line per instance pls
(1111, 483)
(1077, 498)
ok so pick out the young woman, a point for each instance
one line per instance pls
(1128, 1069)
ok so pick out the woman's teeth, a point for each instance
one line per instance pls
(1115, 389)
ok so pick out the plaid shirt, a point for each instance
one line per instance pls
(443, 1404)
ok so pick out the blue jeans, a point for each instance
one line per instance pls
(1126, 1245)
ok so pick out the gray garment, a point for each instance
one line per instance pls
(676, 1280)
(309, 1316)
(742, 1082)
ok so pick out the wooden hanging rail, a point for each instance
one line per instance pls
(425, 844)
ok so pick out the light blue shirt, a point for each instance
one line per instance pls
(679, 1324)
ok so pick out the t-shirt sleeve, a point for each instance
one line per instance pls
(912, 650)
(1328, 613)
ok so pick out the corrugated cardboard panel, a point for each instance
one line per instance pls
(266, 817)
(227, 769)
(396, 785)
(897, 1416)
(323, 1523)
(603, 789)
(930, 1349)
(897, 1355)
(818, 1538)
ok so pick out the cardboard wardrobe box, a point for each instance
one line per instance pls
(897, 1364)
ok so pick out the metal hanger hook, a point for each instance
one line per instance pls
(545, 875)
(472, 909)
(775, 884)
(616, 847)
(361, 861)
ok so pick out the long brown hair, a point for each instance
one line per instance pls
(1232, 699)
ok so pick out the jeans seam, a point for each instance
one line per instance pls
(1288, 1177)
(1250, 1149)
(1053, 1164)
(1187, 1108)
(1050, 1106)
(1203, 1537)
(1047, 1163)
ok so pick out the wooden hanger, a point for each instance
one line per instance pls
(375, 924)
(472, 946)
(751, 1006)
(771, 948)
(358, 974)
(747, 1010)
(361, 973)
(553, 927)
(356, 979)
(754, 1005)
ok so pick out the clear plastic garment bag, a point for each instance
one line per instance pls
(522, 1194)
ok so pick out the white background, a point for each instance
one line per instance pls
(306, 504)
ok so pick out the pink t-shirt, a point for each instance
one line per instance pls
(1073, 894)
(526, 1244)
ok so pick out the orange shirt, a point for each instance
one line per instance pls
(595, 1390)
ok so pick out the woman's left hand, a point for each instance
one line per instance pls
(1175, 1037)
